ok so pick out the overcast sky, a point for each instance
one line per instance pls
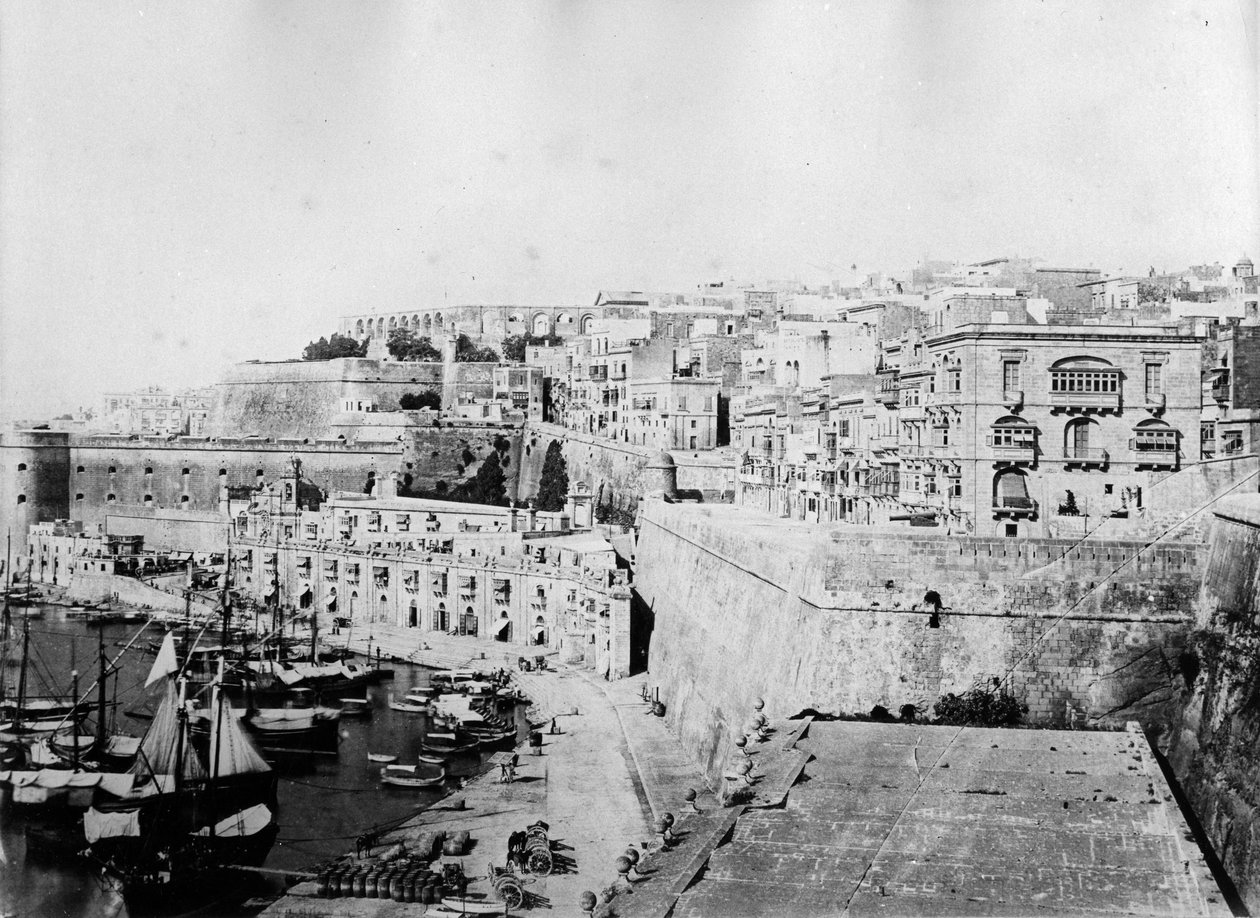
(185, 187)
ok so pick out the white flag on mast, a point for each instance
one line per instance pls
(166, 663)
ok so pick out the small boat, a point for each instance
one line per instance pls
(413, 775)
(430, 759)
(447, 743)
(356, 707)
(382, 758)
(408, 707)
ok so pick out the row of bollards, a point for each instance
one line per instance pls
(756, 729)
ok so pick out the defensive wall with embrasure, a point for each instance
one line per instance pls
(746, 606)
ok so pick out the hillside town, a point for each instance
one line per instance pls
(629, 460)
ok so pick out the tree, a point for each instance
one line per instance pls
(467, 352)
(514, 345)
(403, 344)
(1152, 293)
(489, 485)
(414, 401)
(334, 347)
(553, 483)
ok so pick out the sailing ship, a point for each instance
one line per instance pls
(193, 818)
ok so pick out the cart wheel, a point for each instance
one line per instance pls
(513, 895)
(540, 862)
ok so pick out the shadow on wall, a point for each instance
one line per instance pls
(642, 624)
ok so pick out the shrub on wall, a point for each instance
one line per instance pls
(979, 707)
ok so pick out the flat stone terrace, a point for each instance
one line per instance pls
(890, 819)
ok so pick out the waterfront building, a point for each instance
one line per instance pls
(522, 577)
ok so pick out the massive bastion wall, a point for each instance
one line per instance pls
(747, 606)
(1215, 752)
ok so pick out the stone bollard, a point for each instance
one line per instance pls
(759, 704)
(624, 867)
(690, 797)
(632, 855)
(587, 902)
(744, 769)
(741, 743)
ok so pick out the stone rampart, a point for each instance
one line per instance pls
(613, 471)
(90, 587)
(747, 606)
(170, 530)
(1215, 753)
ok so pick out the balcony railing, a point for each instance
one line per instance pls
(1156, 401)
(910, 413)
(1086, 401)
(598, 374)
(1014, 507)
(1220, 392)
(1153, 455)
(1018, 453)
(1012, 398)
(942, 398)
(1086, 457)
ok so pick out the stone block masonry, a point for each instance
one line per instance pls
(747, 605)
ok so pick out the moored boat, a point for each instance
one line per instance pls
(419, 775)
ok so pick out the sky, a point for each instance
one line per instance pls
(184, 186)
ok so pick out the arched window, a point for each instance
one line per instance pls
(440, 622)
(78, 497)
(112, 470)
(539, 632)
(80, 470)
(222, 473)
(587, 322)
(148, 470)
(21, 499)
(1010, 493)
(1081, 441)
(110, 498)
(183, 498)
(21, 466)
(358, 329)
(186, 471)
(542, 324)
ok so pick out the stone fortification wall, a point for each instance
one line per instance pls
(1215, 753)
(617, 468)
(170, 530)
(187, 474)
(90, 587)
(33, 472)
(301, 398)
(748, 606)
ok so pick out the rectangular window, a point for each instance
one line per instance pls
(954, 380)
(1099, 381)
(842, 426)
(682, 403)
(1154, 380)
(1010, 375)
(1232, 441)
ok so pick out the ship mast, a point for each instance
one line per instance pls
(4, 626)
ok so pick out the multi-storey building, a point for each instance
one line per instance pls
(520, 389)
(674, 413)
(156, 411)
(1231, 417)
(991, 428)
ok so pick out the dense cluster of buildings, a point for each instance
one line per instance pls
(995, 398)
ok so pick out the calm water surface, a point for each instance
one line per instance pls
(326, 801)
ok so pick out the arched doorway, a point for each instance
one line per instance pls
(469, 623)
(503, 628)
(440, 620)
(382, 608)
(413, 615)
(331, 602)
(542, 324)
(354, 602)
(538, 634)
(305, 599)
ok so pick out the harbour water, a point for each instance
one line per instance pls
(326, 801)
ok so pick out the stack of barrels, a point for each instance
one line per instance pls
(399, 882)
